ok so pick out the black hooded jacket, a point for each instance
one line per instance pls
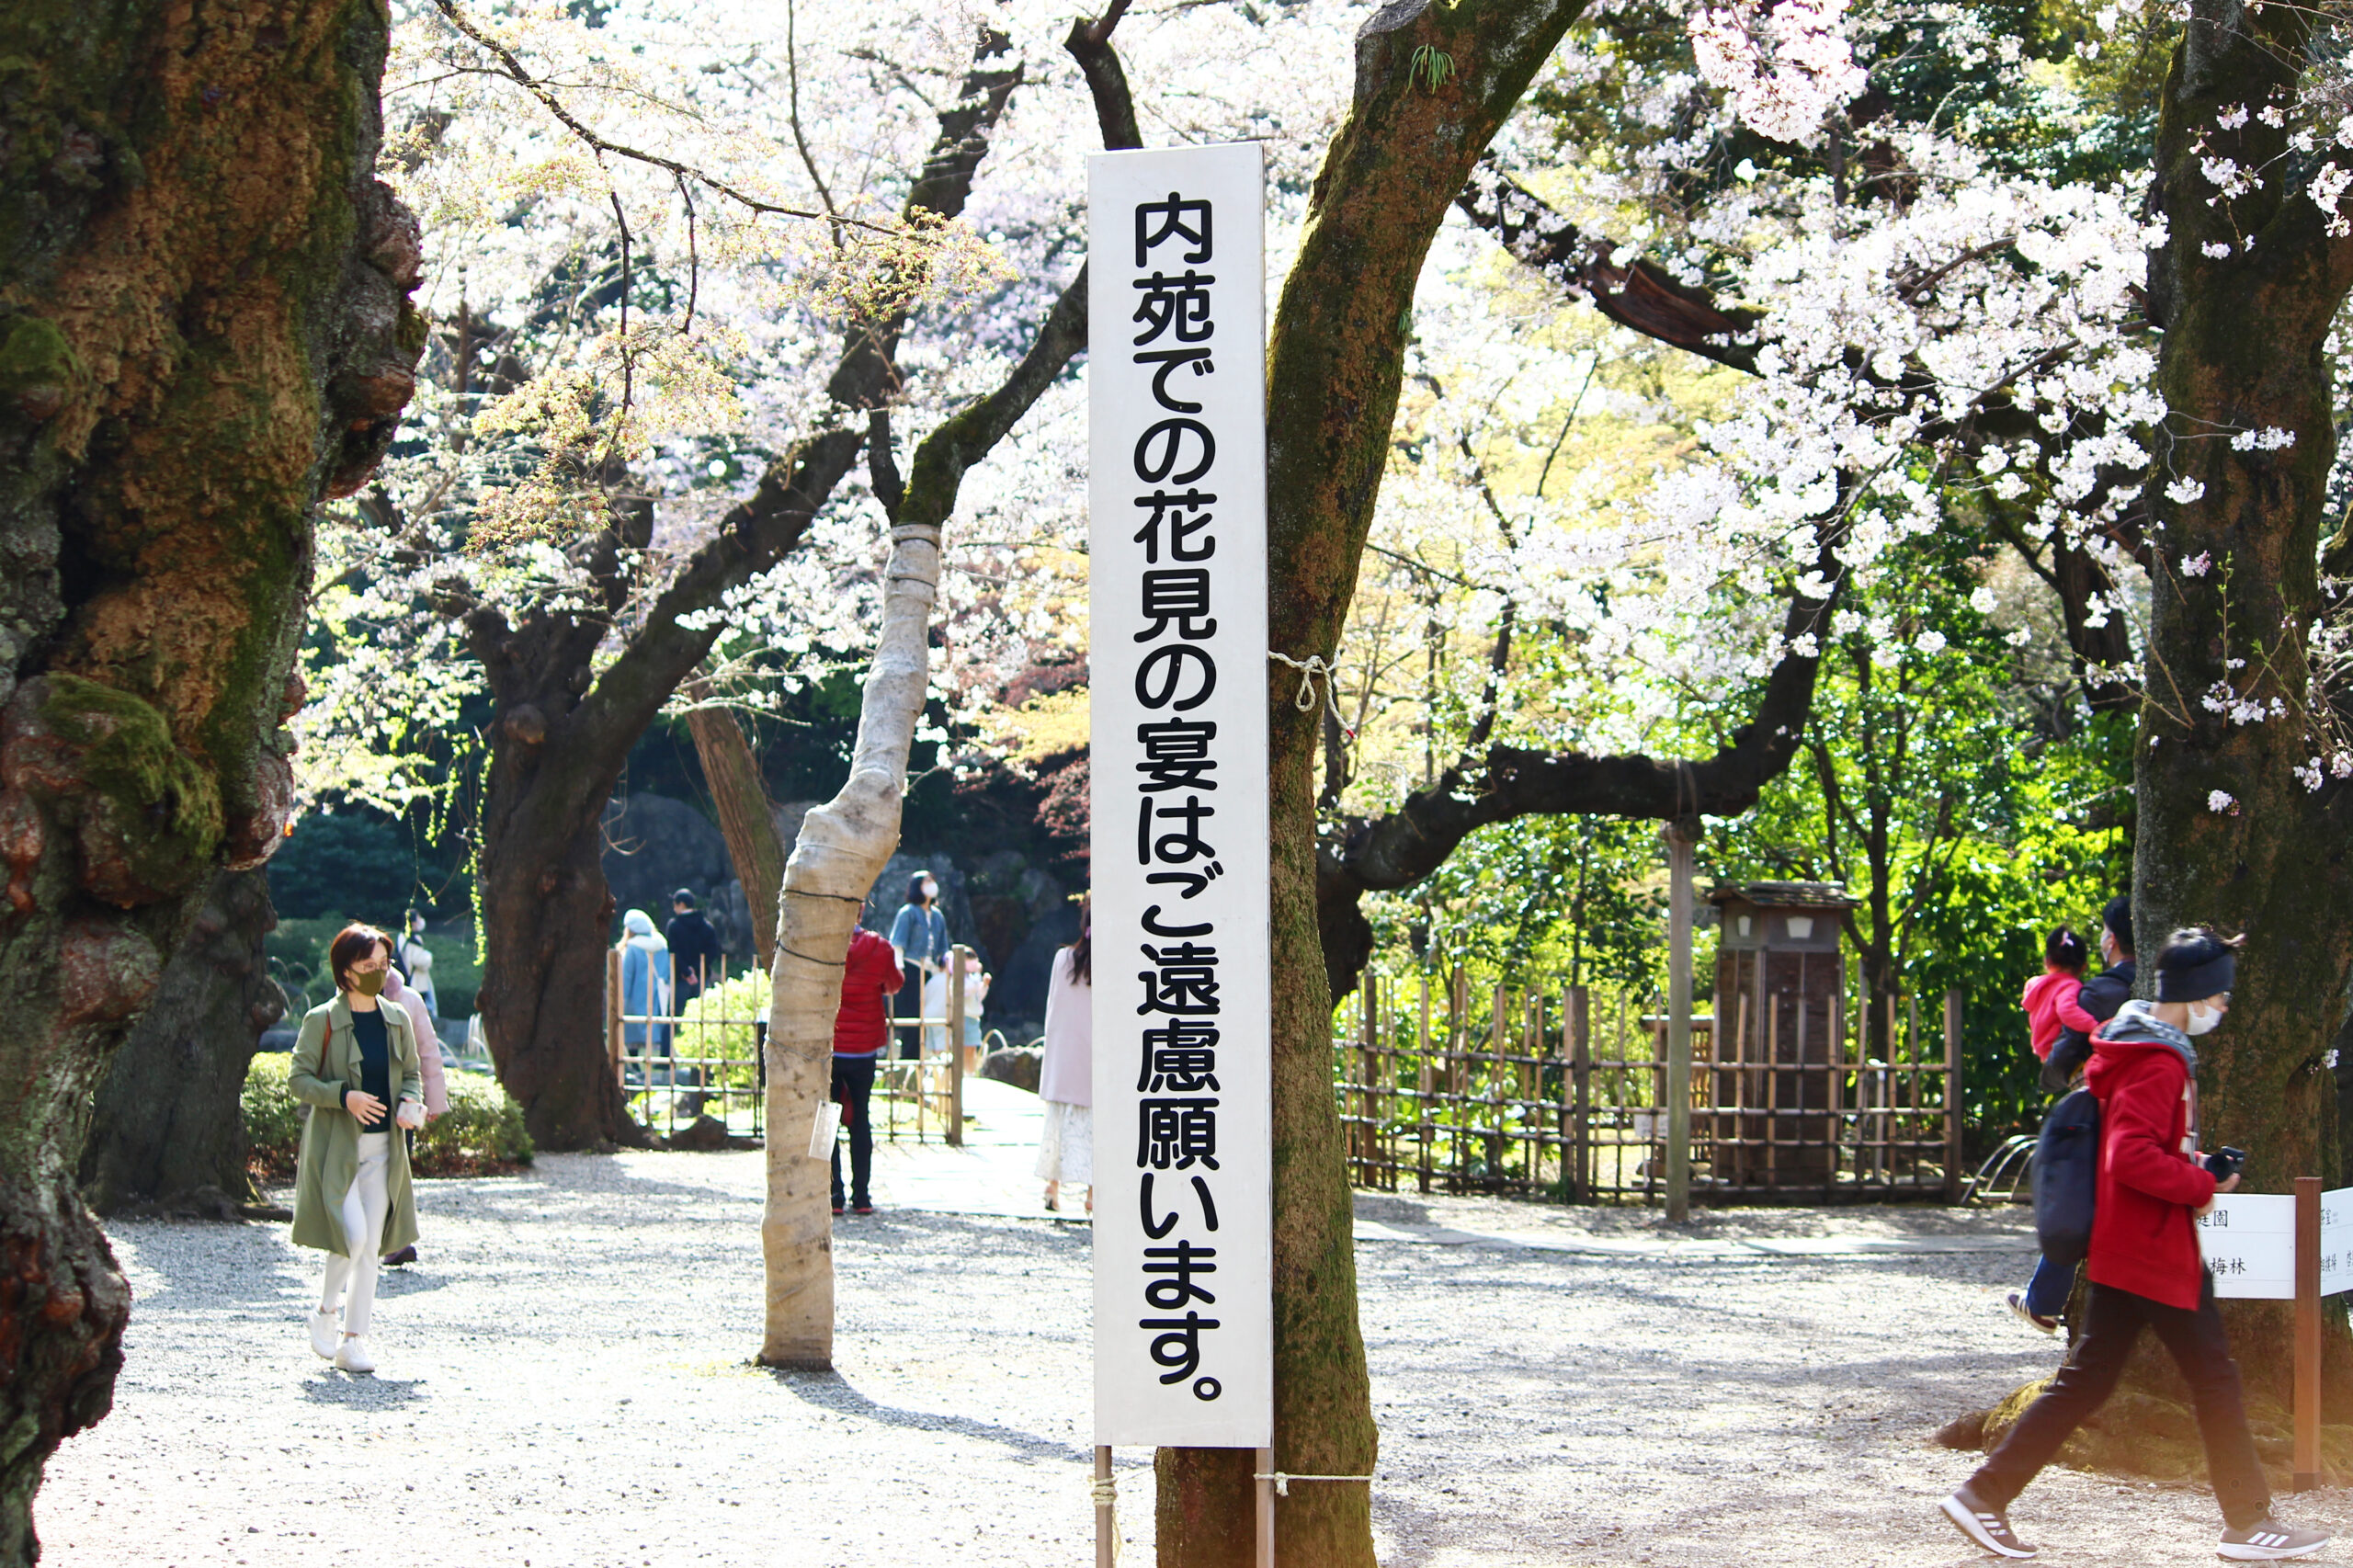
(2104, 993)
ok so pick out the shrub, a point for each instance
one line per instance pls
(481, 1134)
(273, 1132)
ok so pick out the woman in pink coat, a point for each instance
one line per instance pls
(1066, 1073)
(428, 1053)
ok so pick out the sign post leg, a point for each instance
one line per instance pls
(1265, 1468)
(1107, 1522)
(2307, 1399)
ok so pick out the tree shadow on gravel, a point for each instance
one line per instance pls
(362, 1393)
(832, 1391)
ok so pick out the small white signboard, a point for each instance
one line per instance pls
(2336, 1241)
(2249, 1240)
(1176, 565)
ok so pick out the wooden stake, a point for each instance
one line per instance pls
(2307, 1398)
(1107, 1520)
(1680, 836)
(1265, 1466)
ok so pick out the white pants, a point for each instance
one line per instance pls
(363, 1235)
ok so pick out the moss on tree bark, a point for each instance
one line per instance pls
(204, 327)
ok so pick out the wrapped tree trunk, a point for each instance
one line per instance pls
(203, 328)
(165, 1131)
(746, 817)
(845, 843)
(1409, 144)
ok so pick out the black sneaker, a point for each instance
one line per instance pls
(1989, 1527)
(2268, 1542)
(2030, 1317)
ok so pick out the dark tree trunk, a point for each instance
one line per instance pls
(166, 1128)
(2228, 835)
(203, 328)
(546, 917)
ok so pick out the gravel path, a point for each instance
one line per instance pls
(564, 1384)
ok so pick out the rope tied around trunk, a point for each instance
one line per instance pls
(1313, 665)
(1282, 1481)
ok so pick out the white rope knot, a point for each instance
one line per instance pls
(1282, 1481)
(1106, 1492)
(1313, 665)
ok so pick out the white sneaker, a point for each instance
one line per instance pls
(353, 1357)
(323, 1334)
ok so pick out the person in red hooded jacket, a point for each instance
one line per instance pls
(862, 1029)
(2145, 1268)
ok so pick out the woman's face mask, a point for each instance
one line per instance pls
(931, 890)
(368, 981)
(2205, 1015)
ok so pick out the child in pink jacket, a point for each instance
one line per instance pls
(2052, 999)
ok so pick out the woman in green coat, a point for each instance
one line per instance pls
(356, 1066)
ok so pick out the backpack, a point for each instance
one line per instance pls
(2066, 1178)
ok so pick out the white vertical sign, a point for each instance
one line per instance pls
(1184, 1334)
(2249, 1242)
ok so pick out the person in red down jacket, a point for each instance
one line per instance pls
(862, 1029)
(2053, 999)
(2145, 1268)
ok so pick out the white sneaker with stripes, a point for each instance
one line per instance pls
(2269, 1542)
(1989, 1527)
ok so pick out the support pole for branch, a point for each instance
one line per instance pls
(2307, 1394)
(1107, 1520)
(1681, 836)
(956, 957)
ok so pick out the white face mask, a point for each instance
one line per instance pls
(931, 890)
(2202, 1018)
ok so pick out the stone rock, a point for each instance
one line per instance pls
(1017, 1065)
(704, 1135)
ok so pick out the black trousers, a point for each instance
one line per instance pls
(2112, 1322)
(852, 1090)
(908, 1005)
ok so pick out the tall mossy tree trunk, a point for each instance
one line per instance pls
(1433, 84)
(2246, 289)
(204, 328)
(746, 817)
(165, 1129)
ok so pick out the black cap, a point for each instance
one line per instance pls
(2195, 964)
(2118, 918)
(683, 896)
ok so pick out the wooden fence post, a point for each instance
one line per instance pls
(1579, 1024)
(1680, 837)
(1954, 1100)
(613, 1011)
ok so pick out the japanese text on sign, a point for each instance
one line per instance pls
(1178, 776)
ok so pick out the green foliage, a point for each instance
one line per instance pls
(483, 1134)
(355, 858)
(273, 1131)
(1580, 898)
(1431, 68)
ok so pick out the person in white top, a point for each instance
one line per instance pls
(1066, 1073)
(416, 961)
